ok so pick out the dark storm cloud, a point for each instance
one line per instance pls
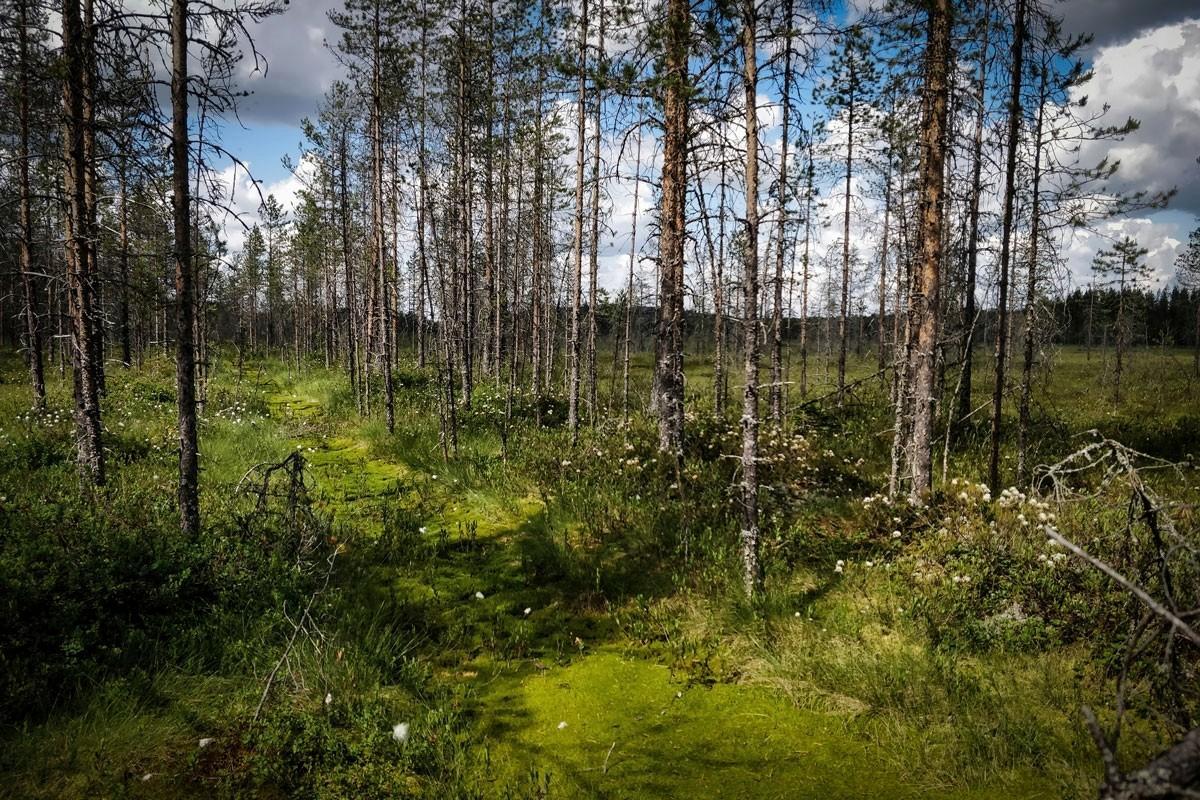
(300, 66)
(1112, 21)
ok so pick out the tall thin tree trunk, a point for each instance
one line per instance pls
(777, 310)
(1010, 172)
(90, 161)
(347, 268)
(1035, 234)
(924, 298)
(573, 343)
(637, 187)
(594, 243)
(845, 305)
(490, 280)
(751, 569)
(80, 278)
(720, 381)
(1119, 366)
(33, 339)
(808, 212)
(377, 225)
(123, 237)
(969, 312)
(185, 354)
(881, 357)
(672, 224)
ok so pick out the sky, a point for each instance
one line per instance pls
(1145, 55)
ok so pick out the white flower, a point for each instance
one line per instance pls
(895, 534)
(479, 595)
(400, 732)
(562, 725)
(528, 611)
(328, 698)
(205, 742)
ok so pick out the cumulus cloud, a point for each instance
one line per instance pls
(1155, 78)
(241, 195)
(1164, 235)
(300, 66)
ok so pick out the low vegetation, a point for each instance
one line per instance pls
(360, 618)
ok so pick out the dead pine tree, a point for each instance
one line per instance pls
(594, 234)
(573, 342)
(1016, 71)
(781, 224)
(924, 296)
(185, 354)
(751, 568)
(29, 288)
(668, 361)
(80, 253)
(629, 287)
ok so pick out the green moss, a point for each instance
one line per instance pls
(632, 730)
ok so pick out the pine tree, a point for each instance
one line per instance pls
(848, 92)
(1123, 269)
(1187, 270)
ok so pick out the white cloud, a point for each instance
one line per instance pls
(1163, 234)
(242, 198)
(1155, 78)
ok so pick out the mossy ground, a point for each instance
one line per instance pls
(566, 687)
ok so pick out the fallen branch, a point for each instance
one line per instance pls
(297, 627)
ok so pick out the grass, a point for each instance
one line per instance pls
(487, 600)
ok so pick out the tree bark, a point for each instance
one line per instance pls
(637, 186)
(33, 339)
(751, 569)
(1010, 170)
(969, 312)
(924, 297)
(845, 304)
(777, 309)
(80, 279)
(185, 354)
(1035, 235)
(672, 230)
(384, 316)
(573, 344)
(594, 236)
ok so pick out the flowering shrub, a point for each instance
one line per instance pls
(677, 515)
(984, 573)
(489, 404)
